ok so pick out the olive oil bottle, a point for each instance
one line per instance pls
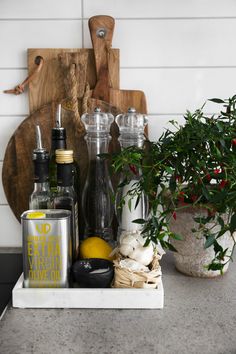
(58, 141)
(65, 197)
(40, 197)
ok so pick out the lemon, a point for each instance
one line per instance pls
(95, 247)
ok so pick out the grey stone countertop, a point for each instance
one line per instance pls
(199, 317)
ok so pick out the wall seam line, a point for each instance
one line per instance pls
(152, 67)
(123, 18)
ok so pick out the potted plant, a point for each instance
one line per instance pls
(189, 176)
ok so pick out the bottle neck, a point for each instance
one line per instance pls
(65, 189)
(65, 175)
(57, 144)
(41, 186)
(97, 144)
(41, 170)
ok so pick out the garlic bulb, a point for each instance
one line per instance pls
(131, 245)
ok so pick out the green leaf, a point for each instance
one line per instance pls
(218, 197)
(168, 246)
(172, 184)
(130, 204)
(232, 225)
(137, 202)
(221, 221)
(209, 241)
(205, 192)
(146, 242)
(201, 221)
(219, 126)
(216, 100)
(169, 169)
(216, 266)
(176, 236)
(139, 221)
(217, 247)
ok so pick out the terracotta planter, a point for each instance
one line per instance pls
(192, 258)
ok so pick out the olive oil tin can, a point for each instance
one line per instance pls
(46, 248)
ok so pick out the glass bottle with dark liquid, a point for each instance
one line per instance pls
(97, 202)
(58, 141)
(66, 198)
(40, 197)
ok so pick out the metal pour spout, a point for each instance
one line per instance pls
(58, 116)
(39, 145)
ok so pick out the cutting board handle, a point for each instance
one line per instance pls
(101, 31)
(21, 87)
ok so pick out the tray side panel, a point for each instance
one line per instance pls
(87, 298)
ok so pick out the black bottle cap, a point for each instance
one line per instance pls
(41, 166)
(58, 134)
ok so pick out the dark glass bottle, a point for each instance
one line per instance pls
(65, 197)
(40, 197)
(58, 141)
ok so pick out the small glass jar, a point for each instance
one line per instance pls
(131, 126)
(97, 202)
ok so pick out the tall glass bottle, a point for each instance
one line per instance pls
(97, 194)
(58, 141)
(131, 126)
(40, 197)
(66, 198)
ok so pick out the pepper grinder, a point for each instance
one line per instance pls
(131, 126)
(97, 203)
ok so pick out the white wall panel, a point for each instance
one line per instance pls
(11, 104)
(170, 43)
(8, 126)
(175, 90)
(17, 36)
(10, 230)
(40, 9)
(158, 123)
(2, 194)
(178, 52)
(160, 8)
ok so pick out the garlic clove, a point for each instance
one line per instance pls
(126, 249)
(142, 254)
(133, 265)
(129, 240)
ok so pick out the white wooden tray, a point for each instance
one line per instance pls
(87, 298)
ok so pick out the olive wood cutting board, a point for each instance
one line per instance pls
(46, 90)
(49, 88)
(49, 85)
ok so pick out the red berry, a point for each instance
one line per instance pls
(194, 197)
(181, 196)
(211, 212)
(208, 177)
(174, 215)
(234, 142)
(133, 169)
(178, 178)
(223, 183)
(217, 171)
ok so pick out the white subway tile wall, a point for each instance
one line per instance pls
(178, 52)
